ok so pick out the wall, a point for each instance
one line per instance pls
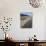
(12, 8)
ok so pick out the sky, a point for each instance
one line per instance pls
(26, 13)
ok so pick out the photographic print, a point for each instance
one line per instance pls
(26, 19)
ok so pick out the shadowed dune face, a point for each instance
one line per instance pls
(26, 21)
(23, 17)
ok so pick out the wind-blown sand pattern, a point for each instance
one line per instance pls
(26, 21)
